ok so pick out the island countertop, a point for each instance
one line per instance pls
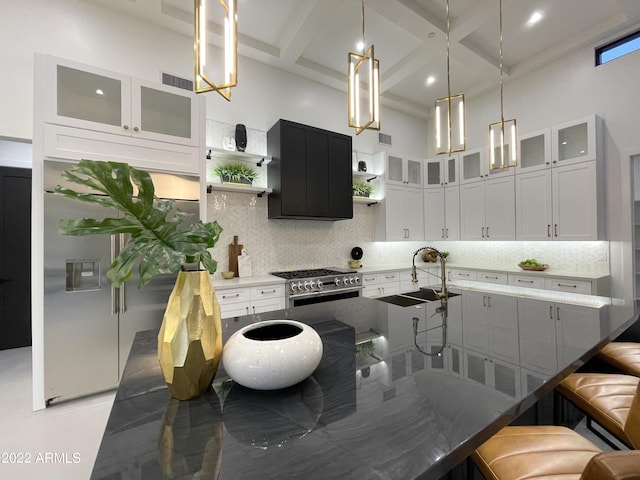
(382, 404)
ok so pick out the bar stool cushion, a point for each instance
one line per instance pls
(625, 356)
(534, 453)
(624, 465)
(607, 399)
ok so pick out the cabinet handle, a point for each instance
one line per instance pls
(254, 309)
(525, 281)
(461, 274)
(558, 313)
(447, 232)
(491, 278)
(487, 232)
(390, 277)
(247, 309)
(262, 292)
(408, 233)
(482, 232)
(489, 302)
(231, 296)
(555, 229)
(135, 129)
(549, 230)
(550, 312)
(442, 236)
(126, 127)
(567, 285)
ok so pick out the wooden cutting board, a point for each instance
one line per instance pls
(235, 249)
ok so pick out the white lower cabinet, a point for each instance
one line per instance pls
(555, 333)
(494, 329)
(250, 300)
(380, 284)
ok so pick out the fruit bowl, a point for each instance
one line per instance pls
(535, 268)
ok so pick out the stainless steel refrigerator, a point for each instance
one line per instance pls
(89, 326)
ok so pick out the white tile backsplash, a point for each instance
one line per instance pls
(294, 244)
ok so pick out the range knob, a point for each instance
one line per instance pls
(306, 286)
(299, 286)
(319, 284)
(337, 282)
(345, 281)
(312, 284)
(293, 286)
(357, 280)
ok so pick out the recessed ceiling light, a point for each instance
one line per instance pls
(534, 18)
(430, 80)
(99, 92)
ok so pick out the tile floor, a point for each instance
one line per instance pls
(70, 432)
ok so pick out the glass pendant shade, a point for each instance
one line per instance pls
(364, 106)
(209, 64)
(449, 122)
(503, 145)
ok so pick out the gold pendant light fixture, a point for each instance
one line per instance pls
(228, 67)
(449, 114)
(365, 114)
(503, 150)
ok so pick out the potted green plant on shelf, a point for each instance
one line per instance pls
(362, 189)
(161, 240)
(236, 173)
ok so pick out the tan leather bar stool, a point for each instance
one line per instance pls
(625, 356)
(534, 452)
(550, 452)
(611, 400)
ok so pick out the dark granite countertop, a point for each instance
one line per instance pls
(379, 406)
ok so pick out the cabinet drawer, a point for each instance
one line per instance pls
(463, 275)
(389, 277)
(572, 286)
(526, 281)
(267, 291)
(370, 280)
(233, 295)
(493, 277)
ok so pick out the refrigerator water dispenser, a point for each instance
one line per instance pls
(83, 275)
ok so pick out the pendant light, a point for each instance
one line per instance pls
(449, 114)
(229, 64)
(502, 135)
(364, 114)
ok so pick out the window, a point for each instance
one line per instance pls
(616, 49)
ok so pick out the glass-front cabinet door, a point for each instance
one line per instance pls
(472, 165)
(404, 171)
(575, 141)
(94, 99)
(535, 151)
(163, 113)
(87, 97)
(441, 171)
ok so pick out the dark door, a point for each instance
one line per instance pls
(15, 257)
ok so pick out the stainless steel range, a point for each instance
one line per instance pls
(320, 285)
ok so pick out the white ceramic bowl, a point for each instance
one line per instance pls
(272, 354)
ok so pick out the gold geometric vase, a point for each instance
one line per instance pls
(190, 338)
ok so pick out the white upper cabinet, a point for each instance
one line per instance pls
(474, 166)
(441, 171)
(535, 151)
(576, 141)
(487, 210)
(401, 215)
(90, 98)
(404, 171)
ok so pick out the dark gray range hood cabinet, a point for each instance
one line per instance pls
(309, 172)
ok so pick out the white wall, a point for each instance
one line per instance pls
(15, 153)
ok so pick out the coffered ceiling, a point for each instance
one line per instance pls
(311, 38)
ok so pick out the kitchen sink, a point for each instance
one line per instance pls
(426, 294)
(413, 298)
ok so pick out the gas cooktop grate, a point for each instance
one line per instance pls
(316, 272)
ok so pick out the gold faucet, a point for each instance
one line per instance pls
(443, 294)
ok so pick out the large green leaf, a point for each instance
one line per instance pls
(161, 238)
